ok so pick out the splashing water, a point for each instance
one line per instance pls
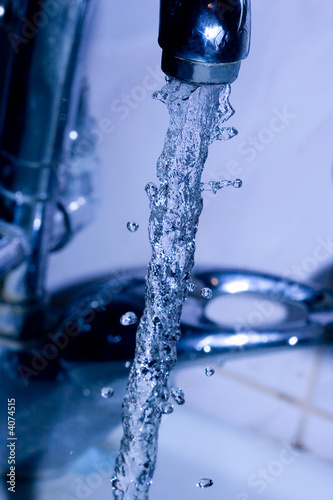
(196, 118)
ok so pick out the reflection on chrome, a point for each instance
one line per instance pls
(237, 286)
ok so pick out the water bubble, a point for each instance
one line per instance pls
(129, 318)
(128, 364)
(209, 371)
(191, 286)
(86, 392)
(237, 183)
(205, 482)
(178, 396)
(132, 226)
(107, 392)
(206, 293)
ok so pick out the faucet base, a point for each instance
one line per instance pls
(199, 72)
(57, 379)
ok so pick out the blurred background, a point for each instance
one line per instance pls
(242, 420)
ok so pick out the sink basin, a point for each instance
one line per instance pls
(242, 465)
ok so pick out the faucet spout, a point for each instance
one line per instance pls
(204, 41)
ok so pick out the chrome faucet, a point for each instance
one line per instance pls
(47, 194)
(46, 177)
(204, 41)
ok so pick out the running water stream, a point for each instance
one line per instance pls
(197, 114)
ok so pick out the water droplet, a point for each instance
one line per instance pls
(128, 364)
(165, 394)
(237, 183)
(114, 339)
(227, 133)
(132, 226)
(107, 392)
(166, 408)
(86, 392)
(178, 395)
(191, 286)
(209, 371)
(206, 293)
(205, 482)
(151, 190)
(129, 318)
(159, 95)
